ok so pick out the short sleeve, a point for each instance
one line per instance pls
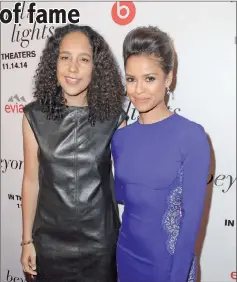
(29, 114)
(28, 111)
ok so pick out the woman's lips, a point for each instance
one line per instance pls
(71, 80)
(141, 100)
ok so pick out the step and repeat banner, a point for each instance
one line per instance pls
(204, 36)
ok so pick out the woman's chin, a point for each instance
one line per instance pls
(142, 108)
(72, 92)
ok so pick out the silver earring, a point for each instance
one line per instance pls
(169, 92)
(58, 84)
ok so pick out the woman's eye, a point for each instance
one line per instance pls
(85, 60)
(150, 78)
(64, 57)
(129, 79)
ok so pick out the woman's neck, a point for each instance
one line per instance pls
(76, 101)
(157, 114)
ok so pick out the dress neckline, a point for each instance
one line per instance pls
(77, 107)
(170, 117)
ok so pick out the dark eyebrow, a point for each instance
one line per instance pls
(143, 75)
(128, 74)
(151, 73)
(65, 52)
(85, 54)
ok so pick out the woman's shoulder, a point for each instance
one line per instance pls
(190, 127)
(32, 106)
(123, 133)
(192, 134)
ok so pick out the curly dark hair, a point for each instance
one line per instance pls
(150, 41)
(106, 90)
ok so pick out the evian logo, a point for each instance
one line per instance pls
(233, 275)
(15, 104)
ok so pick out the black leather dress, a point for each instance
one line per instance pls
(77, 221)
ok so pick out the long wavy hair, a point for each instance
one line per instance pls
(105, 91)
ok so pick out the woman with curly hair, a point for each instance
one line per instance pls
(70, 217)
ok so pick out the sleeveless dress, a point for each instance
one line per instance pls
(77, 221)
(161, 174)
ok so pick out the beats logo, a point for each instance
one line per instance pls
(123, 12)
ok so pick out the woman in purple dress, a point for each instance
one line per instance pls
(161, 167)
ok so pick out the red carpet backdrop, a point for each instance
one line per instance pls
(204, 36)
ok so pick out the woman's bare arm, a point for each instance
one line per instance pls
(30, 180)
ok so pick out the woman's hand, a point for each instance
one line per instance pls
(28, 259)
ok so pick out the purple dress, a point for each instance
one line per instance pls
(161, 172)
